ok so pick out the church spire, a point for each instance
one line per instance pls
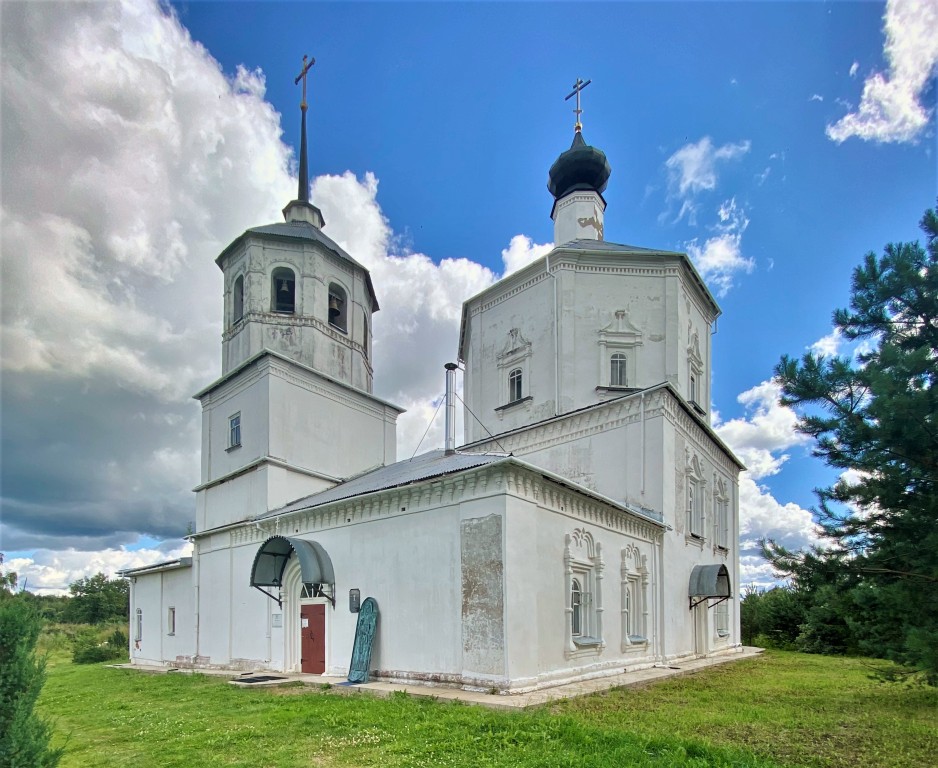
(301, 209)
(303, 192)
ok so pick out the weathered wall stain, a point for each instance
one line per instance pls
(483, 595)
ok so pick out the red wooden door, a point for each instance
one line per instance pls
(313, 639)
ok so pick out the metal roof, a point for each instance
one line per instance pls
(603, 245)
(710, 581)
(423, 467)
(167, 565)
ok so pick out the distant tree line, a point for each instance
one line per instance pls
(93, 600)
(871, 586)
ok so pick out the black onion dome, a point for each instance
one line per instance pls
(581, 167)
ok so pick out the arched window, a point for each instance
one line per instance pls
(283, 291)
(514, 385)
(617, 375)
(576, 602)
(338, 308)
(237, 300)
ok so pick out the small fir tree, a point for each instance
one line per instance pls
(24, 736)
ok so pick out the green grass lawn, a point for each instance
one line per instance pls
(783, 709)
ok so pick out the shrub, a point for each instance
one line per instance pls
(89, 647)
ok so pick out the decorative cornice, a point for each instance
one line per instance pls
(481, 482)
(704, 442)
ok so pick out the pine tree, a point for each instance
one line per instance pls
(877, 415)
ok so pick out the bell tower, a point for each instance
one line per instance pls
(290, 289)
(293, 412)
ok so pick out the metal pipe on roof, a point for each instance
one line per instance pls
(450, 445)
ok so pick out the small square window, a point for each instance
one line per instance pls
(234, 430)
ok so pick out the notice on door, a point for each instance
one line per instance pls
(305, 623)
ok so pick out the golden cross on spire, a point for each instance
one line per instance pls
(578, 86)
(302, 76)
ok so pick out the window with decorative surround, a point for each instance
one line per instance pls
(695, 368)
(619, 345)
(514, 372)
(583, 571)
(721, 514)
(634, 574)
(694, 499)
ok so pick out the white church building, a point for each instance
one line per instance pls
(588, 524)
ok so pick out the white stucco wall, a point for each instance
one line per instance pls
(570, 320)
(300, 433)
(154, 594)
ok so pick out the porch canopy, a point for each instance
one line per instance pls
(271, 560)
(709, 582)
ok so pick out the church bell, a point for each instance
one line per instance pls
(334, 307)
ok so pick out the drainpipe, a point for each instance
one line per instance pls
(643, 442)
(556, 340)
(450, 445)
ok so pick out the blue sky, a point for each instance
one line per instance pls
(141, 154)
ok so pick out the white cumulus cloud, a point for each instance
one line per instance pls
(720, 257)
(521, 251)
(693, 168)
(890, 107)
(112, 302)
(760, 439)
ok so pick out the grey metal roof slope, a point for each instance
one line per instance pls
(603, 245)
(423, 467)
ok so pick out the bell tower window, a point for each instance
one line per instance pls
(237, 300)
(283, 291)
(338, 308)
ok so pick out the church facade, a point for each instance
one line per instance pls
(588, 524)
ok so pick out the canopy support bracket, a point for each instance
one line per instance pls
(707, 598)
(265, 592)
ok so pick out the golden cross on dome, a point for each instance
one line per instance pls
(302, 76)
(578, 86)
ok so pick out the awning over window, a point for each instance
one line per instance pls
(709, 581)
(272, 557)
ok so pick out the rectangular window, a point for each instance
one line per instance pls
(171, 621)
(723, 520)
(721, 619)
(694, 508)
(138, 625)
(234, 430)
(514, 385)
